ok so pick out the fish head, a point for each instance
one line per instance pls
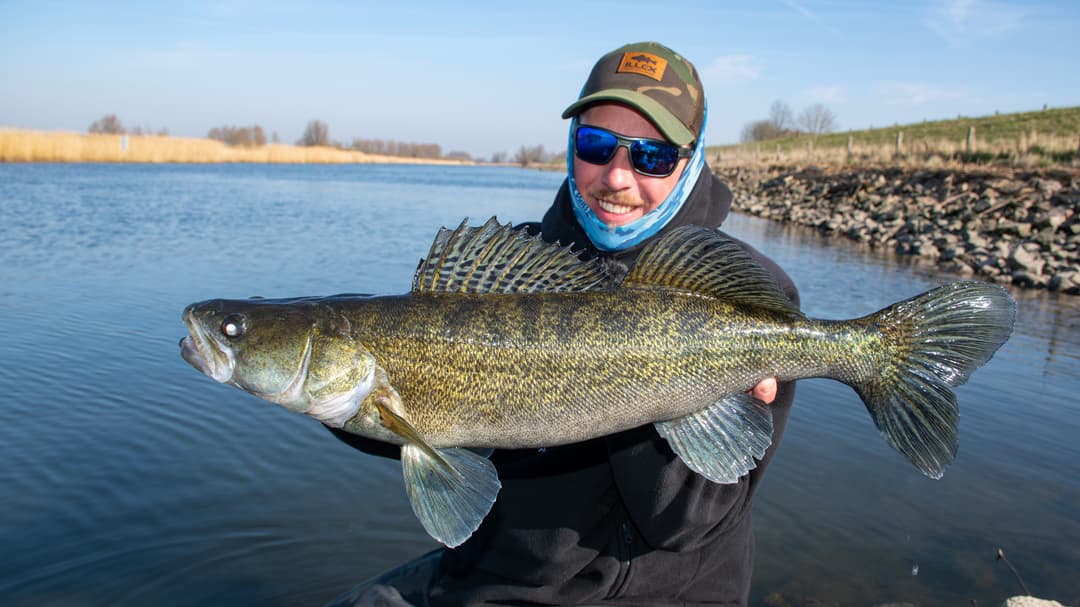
(295, 353)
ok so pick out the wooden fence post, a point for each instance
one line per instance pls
(899, 142)
(971, 140)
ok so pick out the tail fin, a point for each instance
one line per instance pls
(934, 342)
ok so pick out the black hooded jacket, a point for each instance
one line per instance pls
(617, 519)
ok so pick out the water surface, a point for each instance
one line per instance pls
(128, 478)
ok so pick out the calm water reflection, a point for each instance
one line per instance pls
(129, 478)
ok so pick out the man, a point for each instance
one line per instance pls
(618, 519)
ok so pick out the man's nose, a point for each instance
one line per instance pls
(619, 174)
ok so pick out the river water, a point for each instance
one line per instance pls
(128, 478)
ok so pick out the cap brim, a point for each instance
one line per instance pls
(674, 130)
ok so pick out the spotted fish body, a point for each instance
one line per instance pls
(539, 370)
(508, 342)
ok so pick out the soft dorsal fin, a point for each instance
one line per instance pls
(700, 260)
(496, 258)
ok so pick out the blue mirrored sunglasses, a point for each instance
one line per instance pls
(649, 157)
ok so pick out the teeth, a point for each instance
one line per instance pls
(617, 209)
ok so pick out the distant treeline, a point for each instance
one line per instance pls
(241, 136)
(815, 119)
(109, 124)
(317, 134)
(385, 147)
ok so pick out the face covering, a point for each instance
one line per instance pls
(616, 238)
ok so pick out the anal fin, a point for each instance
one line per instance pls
(721, 441)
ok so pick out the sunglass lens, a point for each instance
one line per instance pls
(594, 146)
(654, 158)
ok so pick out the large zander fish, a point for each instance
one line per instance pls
(509, 342)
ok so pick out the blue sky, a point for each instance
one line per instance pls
(484, 77)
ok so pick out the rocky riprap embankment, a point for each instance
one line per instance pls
(1019, 226)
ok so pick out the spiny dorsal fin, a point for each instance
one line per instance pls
(496, 258)
(700, 260)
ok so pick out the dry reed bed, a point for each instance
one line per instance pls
(37, 146)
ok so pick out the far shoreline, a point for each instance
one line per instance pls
(28, 146)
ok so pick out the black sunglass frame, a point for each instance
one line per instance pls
(622, 141)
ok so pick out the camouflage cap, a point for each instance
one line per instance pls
(652, 79)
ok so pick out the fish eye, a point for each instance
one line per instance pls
(233, 326)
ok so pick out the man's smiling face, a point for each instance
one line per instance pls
(615, 192)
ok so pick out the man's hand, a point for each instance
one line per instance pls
(765, 391)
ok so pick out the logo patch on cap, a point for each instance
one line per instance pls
(646, 64)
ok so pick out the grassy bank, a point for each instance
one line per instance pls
(1039, 138)
(41, 146)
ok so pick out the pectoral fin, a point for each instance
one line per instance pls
(451, 490)
(721, 441)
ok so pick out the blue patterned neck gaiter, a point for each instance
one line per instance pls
(616, 238)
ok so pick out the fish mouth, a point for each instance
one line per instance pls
(202, 352)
